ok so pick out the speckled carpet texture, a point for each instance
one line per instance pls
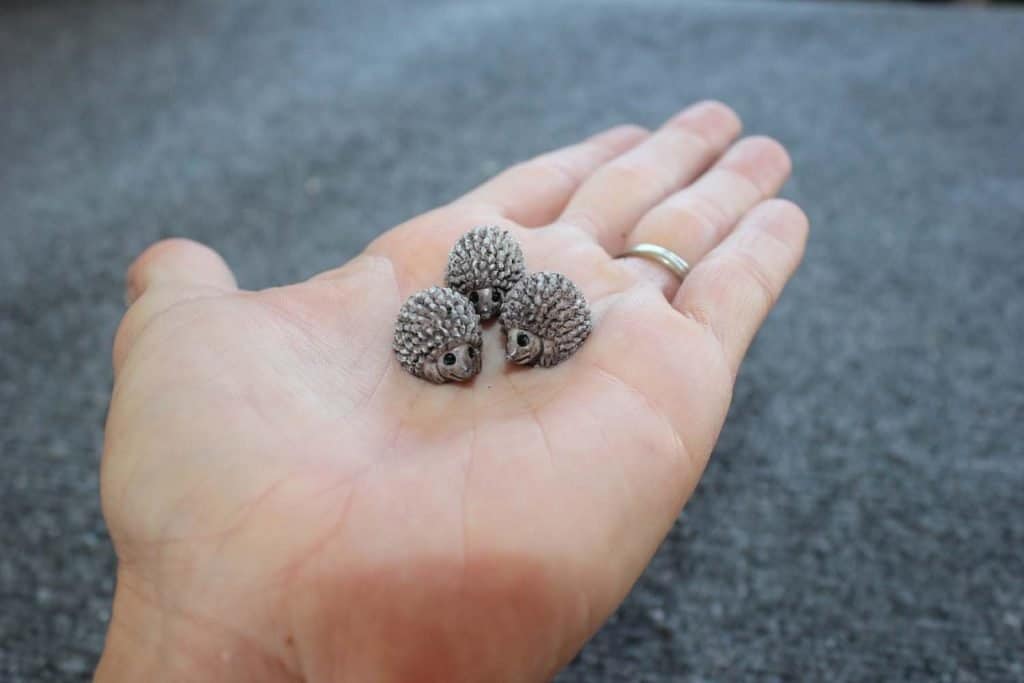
(862, 518)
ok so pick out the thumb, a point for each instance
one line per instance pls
(167, 273)
(177, 263)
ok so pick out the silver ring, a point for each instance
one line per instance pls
(652, 252)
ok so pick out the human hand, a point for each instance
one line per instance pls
(288, 504)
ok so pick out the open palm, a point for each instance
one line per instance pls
(288, 504)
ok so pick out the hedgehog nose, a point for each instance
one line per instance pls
(485, 304)
(513, 351)
(467, 364)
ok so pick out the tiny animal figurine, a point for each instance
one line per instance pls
(485, 264)
(438, 336)
(545, 318)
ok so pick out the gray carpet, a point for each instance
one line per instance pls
(863, 516)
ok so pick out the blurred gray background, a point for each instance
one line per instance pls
(863, 516)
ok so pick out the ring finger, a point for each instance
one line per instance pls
(694, 220)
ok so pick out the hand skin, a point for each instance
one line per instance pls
(287, 504)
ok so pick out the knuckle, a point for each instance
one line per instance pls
(579, 224)
(683, 140)
(701, 318)
(741, 276)
(678, 219)
(549, 169)
(716, 342)
(627, 131)
(569, 233)
(711, 212)
(747, 267)
(629, 176)
(141, 311)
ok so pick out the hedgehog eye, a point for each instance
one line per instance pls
(471, 352)
(522, 339)
(449, 359)
(496, 295)
(474, 297)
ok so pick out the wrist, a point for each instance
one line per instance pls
(146, 642)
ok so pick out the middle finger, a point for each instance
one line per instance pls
(613, 199)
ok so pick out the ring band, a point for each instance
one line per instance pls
(652, 252)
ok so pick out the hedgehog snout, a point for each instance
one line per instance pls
(460, 363)
(487, 302)
(522, 347)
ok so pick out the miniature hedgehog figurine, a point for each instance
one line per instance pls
(485, 264)
(438, 336)
(545, 318)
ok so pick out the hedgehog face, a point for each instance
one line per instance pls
(438, 336)
(458, 364)
(522, 347)
(487, 301)
(545, 318)
(484, 264)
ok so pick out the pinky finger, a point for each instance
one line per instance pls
(732, 289)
